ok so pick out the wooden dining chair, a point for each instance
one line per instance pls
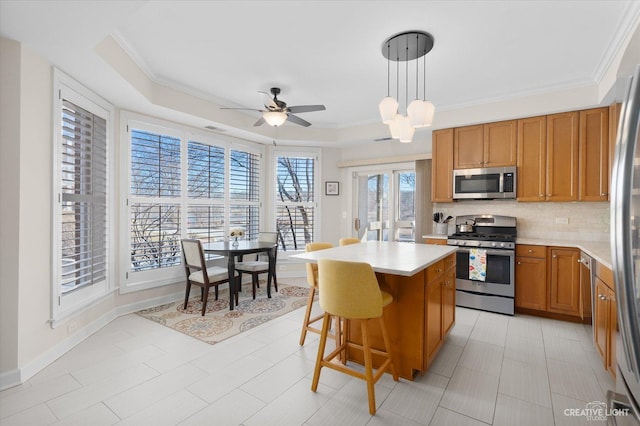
(348, 240)
(312, 280)
(256, 267)
(350, 291)
(198, 274)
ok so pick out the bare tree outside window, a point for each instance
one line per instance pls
(295, 201)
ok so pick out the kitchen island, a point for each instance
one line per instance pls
(421, 279)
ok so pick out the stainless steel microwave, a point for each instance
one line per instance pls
(486, 183)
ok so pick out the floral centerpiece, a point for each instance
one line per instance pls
(236, 233)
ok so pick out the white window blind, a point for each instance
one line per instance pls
(295, 202)
(83, 172)
(244, 192)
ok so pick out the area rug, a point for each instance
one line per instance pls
(219, 323)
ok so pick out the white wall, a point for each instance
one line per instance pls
(9, 200)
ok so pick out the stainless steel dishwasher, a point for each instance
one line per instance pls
(587, 273)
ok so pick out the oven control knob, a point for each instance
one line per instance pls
(493, 244)
(501, 244)
(463, 243)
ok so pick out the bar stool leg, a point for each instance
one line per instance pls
(368, 367)
(387, 346)
(307, 315)
(323, 342)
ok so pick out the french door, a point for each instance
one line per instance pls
(384, 205)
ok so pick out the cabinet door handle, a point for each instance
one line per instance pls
(602, 297)
(554, 256)
(519, 263)
(603, 194)
(530, 251)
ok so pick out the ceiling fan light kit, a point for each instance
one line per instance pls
(274, 118)
(405, 47)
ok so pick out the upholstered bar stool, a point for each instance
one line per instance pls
(312, 280)
(349, 290)
(348, 240)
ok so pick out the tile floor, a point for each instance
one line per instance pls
(492, 369)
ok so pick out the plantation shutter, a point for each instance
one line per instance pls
(244, 192)
(83, 197)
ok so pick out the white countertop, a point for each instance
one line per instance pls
(405, 259)
(435, 236)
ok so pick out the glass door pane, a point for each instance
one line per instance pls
(372, 206)
(405, 206)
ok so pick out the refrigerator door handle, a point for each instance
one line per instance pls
(621, 224)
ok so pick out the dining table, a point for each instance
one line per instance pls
(236, 249)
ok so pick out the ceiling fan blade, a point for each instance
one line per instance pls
(297, 120)
(306, 108)
(271, 103)
(260, 122)
(246, 109)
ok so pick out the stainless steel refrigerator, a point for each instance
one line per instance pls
(625, 256)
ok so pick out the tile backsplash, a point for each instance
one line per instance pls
(584, 221)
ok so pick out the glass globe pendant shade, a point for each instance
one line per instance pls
(405, 129)
(416, 111)
(430, 111)
(388, 109)
(274, 118)
(394, 127)
(420, 113)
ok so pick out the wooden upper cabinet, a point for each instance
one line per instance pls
(594, 154)
(485, 145)
(562, 157)
(532, 158)
(614, 119)
(500, 143)
(468, 148)
(442, 166)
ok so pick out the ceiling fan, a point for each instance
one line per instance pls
(276, 112)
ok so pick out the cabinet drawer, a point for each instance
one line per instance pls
(605, 275)
(435, 270)
(450, 262)
(531, 250)
(437, 241)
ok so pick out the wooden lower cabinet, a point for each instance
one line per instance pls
(531, 277)
(605, 321)
(437, 241)
(440, 304)
(449, 300)
(564, 281)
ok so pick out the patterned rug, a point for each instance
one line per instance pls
(220, 323)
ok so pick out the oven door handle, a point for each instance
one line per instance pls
(497, 252)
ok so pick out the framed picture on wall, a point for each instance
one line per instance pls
(331, 188)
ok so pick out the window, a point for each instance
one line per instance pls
(155, 192)
(81, 208)
(295, 200)
(182, 185)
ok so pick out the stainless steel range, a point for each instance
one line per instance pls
(485, 262)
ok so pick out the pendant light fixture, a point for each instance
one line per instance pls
(405, 47)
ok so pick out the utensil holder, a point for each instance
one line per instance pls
(441, 228)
